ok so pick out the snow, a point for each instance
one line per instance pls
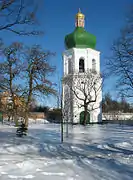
(38, 121)
(98, 152)
(30, 120)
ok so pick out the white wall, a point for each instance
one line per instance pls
(73, 55)
(87, 55)
(117, 116)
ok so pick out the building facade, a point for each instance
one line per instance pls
(80, 59)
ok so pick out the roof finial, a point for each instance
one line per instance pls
(79, 10)
(80, 19)
(80, 15)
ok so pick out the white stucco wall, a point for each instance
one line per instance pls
(95, 114)
(117, 116)
(72, 56)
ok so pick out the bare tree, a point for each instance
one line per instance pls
(16, 15)
(36, 76)
(64, 111)
(25, 74)
(58, 91)
(121, 62)
(86, 88)
(62, 129)
(9, 71)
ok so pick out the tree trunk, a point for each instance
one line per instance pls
(62, 116)
(67, 126)
(26, 119)
(15, 120)
(9, 117)
(85, 115)
(29, 99)
(26, 116)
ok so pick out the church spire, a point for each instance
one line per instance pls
(80, 19)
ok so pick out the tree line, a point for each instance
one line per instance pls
(111, 105)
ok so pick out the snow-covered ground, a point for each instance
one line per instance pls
(98, 152)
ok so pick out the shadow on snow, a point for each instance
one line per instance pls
(46, 143)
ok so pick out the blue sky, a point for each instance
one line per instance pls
(104, 19)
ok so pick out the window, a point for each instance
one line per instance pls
(69, 66)
(81, 66)
(93, 65)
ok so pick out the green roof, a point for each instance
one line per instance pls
(80, 39)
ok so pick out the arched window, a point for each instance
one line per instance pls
(81, 66)
(69, 66)
(93, 65)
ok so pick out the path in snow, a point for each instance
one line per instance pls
(94, 152)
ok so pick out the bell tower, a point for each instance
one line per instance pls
(79, 57)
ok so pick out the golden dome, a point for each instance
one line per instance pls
(80, 15)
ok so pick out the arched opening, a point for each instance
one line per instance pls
(82, 118)
(69, 66)
(81, 66)
(93, 65)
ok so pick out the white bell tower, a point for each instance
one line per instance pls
(79, 57)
